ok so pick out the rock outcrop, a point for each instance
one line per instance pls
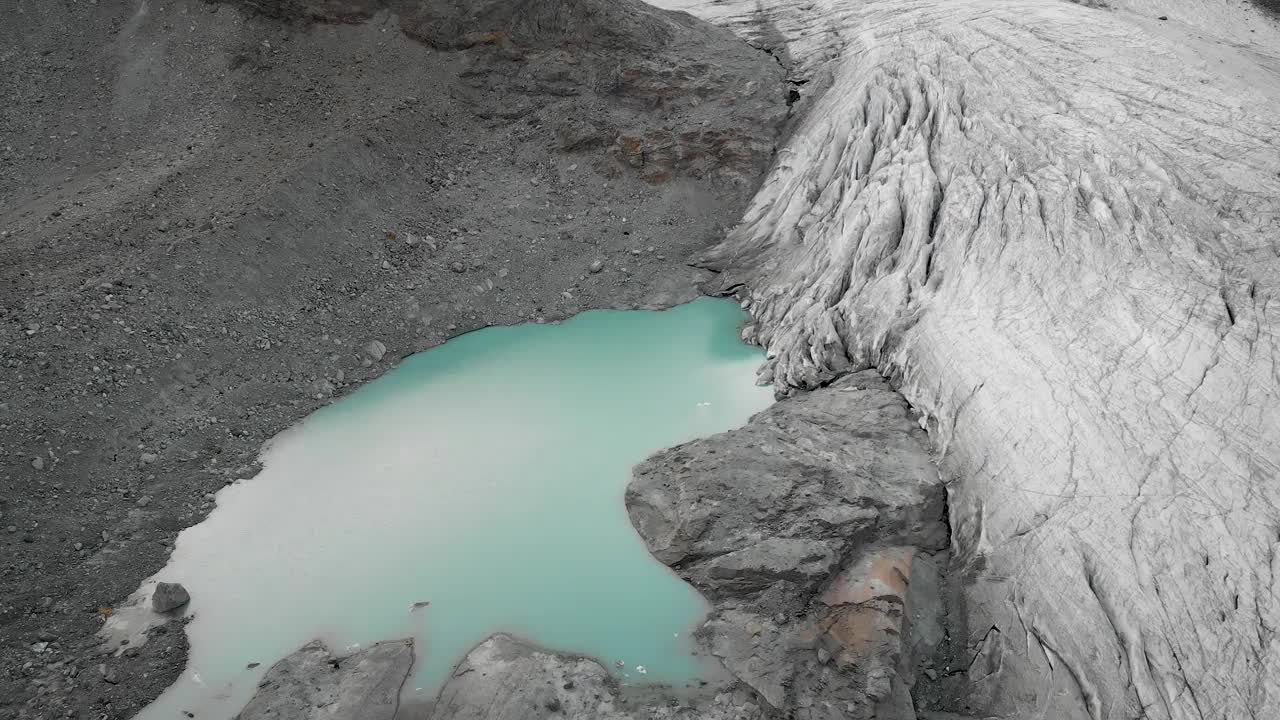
(805, 529)
(1056, 227)
(313, 684)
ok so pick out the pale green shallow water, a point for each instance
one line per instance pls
(486, 476)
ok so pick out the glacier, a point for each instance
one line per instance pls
(1054, 227)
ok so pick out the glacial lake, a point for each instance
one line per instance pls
(485, 477)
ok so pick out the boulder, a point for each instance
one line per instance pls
(168, 597)
(314, 684)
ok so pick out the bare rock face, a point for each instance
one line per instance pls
(312, 684)
(1055, 226)
(803, 528)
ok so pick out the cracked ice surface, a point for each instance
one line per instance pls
(1058, 227)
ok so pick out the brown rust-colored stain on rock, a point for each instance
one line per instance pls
(866, 602)
(882, 574)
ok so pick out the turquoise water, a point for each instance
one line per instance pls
(485, 476)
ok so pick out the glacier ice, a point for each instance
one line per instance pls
(1055, 225)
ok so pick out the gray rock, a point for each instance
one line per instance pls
(596, 266)
(168, 597)
(374, 350)
(312, 684)
(147, 458)
(805, 528)
(37, 462)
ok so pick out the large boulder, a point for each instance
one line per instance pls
(314, 684)
(168, 597)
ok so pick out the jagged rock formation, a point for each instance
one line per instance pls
(1056, 227)
(805, 528)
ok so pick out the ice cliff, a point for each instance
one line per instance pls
(1055, 226)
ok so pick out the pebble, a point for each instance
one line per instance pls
(596, 266)
(143, 501)
(37, 463)
(386, 265)
(458, 267)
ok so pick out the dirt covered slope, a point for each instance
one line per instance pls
(214, 219)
